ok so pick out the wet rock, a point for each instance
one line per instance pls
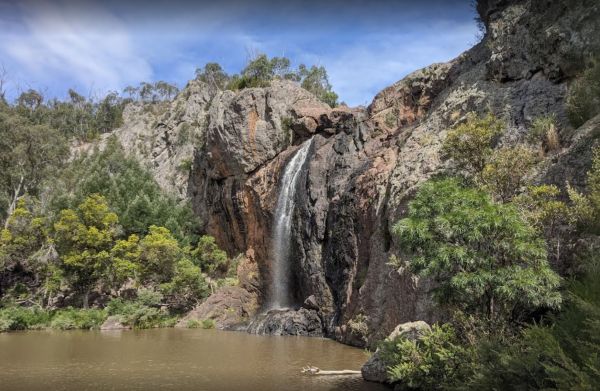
(288, 322)
(375, 369)
(311, 303)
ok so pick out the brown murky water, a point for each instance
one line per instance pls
(172, 359)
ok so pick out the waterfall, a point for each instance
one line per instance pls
(283, 227)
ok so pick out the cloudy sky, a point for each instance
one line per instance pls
(96, 46)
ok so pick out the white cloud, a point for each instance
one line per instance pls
(57, 43)
(361, 70)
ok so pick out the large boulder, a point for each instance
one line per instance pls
(375, 368)
(228, 307)
(288, 322)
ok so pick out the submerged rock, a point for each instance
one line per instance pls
(375, 369)
(288, 322)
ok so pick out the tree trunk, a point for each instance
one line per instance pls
(86, 297)
(13, 203)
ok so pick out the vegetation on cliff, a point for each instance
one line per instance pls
(486, 246)
(261, 70)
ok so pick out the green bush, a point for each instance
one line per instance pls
(435, 361)
(484, 257)
(139, 315)
(129, 189)
(470, 143)
(74, 318)
(208, 324)
(583, 101)
(562, 356)
(193, 324)
(23, 318)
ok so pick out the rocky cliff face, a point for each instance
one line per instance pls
(365, 163)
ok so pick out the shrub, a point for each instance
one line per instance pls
(208, 324)
(23, 318)
(544, 131)
(470, 144)
(505, 172)
(435, 361)
(72, 318)
(585, 210)
(193, 324)
(483, 256)
(136, 314)
(583, 101)
(564, 356)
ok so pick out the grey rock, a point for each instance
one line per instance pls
(287, 322)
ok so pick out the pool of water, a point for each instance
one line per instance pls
(172, 359)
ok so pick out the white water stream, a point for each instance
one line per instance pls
(280, 295)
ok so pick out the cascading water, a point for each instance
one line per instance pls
(283, 227)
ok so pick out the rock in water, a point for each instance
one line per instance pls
(288, 322)
(114, 323)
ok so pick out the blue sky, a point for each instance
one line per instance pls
(96, 46)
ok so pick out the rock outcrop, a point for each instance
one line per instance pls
(364, 165)
(229, 307)
(303, 322)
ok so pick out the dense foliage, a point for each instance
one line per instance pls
(486, 239)
(129, 188)
(484, 257)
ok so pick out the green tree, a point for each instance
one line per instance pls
(29, 154)
(24, 247)
(213, 75)
(23, 236)
(483, 256)
(470, 143)
(109, 114)
(166, 90)
(30, 100)
(187, 286)
(159, 253)
(128, 188)
(125, 260)
(84, 239)
(564, 355)
(211, 259)
(315, 80)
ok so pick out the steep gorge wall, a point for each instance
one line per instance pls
(366, 163)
